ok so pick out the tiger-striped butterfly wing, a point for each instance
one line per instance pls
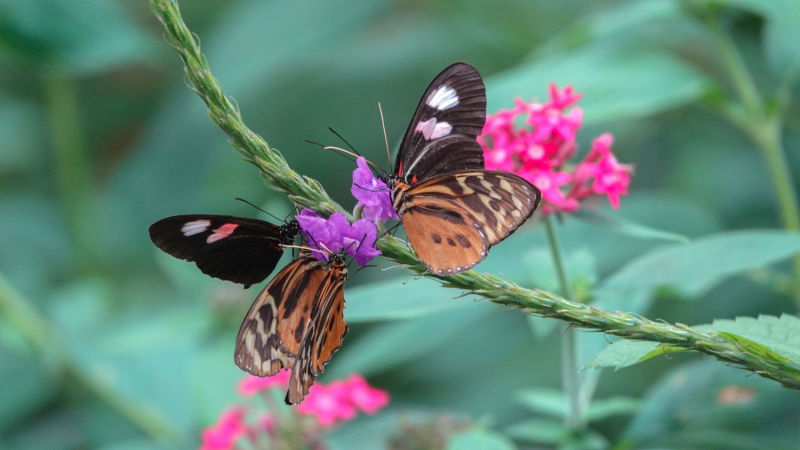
(441, 135)
(297, 323)
(453, 220)
(271, 333)
(324, 334)
(453, 209)
(235, 249)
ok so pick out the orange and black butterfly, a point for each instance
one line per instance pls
(453, 209)
(296, 323)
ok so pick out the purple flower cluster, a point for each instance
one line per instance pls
(335, 233)
(372, 194)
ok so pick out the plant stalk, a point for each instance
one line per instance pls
(73, 173)
(309, 193)
(570, 377)
(764, 127)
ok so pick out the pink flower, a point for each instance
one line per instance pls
(224, 433)
(372, 194)
(250, 384)
(564, 99)
(540, 148)
(328, 403)
(364, 397)
(335, 233)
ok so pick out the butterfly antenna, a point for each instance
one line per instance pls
(330, 147)
(394, 227)
(256, 207)
(343, 140)
(359, 270)
(357, 249)
(385, 139)
(293, 211)
(326, 148)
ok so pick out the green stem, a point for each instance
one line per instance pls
(73, 174)
(44, 338)
(764, 128)
(309, 193)
(570, 377)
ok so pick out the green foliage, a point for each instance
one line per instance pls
(479, 440)
(140, 344)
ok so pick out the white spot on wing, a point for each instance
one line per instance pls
(196, 227)
(443, 98)
(432, 130)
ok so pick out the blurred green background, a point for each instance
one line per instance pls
(106, 343)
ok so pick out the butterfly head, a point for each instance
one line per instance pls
(289, 231)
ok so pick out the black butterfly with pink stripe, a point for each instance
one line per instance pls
(236, 249)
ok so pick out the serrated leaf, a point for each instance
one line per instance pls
(479, 440)
(778, 335)
(540, 431)
(693, 268)
(621, 225)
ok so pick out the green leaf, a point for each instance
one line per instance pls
(540, 431)
(399, 298)
(612, 406)
(694, 268)
(603, 73)
(626, 227)
(543, 401)
(28, 387)
(479, 440)
(778, 335)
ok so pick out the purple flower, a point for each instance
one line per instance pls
(335, 233)
(372, 194)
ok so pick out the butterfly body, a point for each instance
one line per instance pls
(454, 210)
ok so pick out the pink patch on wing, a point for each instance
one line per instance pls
(222, 232)
(432, 130)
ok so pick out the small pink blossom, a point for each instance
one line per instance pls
(226, 431)
(365, 397)
(540, 148)
(329, 404)
(250, 384)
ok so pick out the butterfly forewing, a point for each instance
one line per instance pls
(451, 221)
(452, 109)
(270, 336)
(322, 337)
(230, 248)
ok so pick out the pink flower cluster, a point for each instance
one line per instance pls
(540, 149)
(325, 406)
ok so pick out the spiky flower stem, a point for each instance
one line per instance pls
(310, 194)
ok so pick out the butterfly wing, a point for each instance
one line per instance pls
(441, 135)
(230, 248)
(323, 337)
(451, 221)
(270, 336)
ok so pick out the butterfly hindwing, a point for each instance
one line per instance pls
(323, 336)
(273, 329)
(235, 249)
(441, 135)
(451, 221)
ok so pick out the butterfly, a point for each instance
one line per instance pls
(296, 323)
(235, 249)
(454, 210)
